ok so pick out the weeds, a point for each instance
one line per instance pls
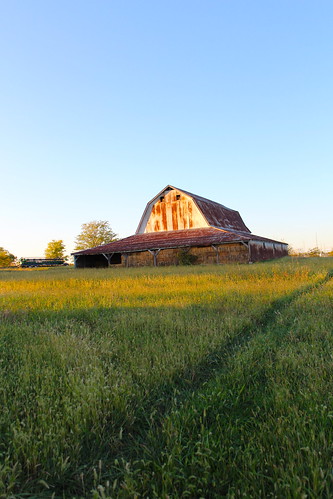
(174, 382)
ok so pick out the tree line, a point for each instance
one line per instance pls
(311, 252)
(92, 234)
(99, 232)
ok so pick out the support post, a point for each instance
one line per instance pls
(155, 253)
(216, 248)
(108, 257)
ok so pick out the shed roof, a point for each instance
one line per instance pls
(174, 239)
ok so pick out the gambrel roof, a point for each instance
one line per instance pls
(176, 218)
(174, 208)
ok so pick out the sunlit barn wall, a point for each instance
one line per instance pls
(174, 211)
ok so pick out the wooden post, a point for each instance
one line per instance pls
(154, 253)
(108, 257)
(216, 248)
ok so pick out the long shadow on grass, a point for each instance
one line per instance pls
(193, 377)
(214, 366)
(160, 399)
(153, 403)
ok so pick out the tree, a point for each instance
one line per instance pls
(6, 258)
(314, 251)
(292, 251)
(55, 249)
(94, 234)
(295, 252)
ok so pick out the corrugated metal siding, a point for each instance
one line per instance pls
(267, 250)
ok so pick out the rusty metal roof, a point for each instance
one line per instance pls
(215, 213)
(218, 215)
(174, 239)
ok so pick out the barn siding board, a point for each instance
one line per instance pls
(174, 210)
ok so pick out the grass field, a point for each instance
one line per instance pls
(208, 381)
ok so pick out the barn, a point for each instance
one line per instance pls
(180, 227)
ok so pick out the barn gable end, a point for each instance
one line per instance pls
(171, 209)
(176, 209)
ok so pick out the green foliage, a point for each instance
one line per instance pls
(293, 252)
(210, 381)
(6, 258)
(186, 258)
(314, 252)
(94, 234)
(55, 249)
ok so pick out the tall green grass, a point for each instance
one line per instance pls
(174, 382)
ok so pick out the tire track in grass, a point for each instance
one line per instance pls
(177, 394)
(192, 378)
(161, 398)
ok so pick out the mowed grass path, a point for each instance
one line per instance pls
(212, 381)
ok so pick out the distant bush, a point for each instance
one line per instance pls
(186, 258)
(314, 252)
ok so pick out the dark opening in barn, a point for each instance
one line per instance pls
(99, 260)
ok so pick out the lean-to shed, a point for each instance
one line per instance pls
(178, 225)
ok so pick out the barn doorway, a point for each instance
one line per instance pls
(97, 261)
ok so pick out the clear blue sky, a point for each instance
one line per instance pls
(104, 103)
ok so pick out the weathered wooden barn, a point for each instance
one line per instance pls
(178, 226)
